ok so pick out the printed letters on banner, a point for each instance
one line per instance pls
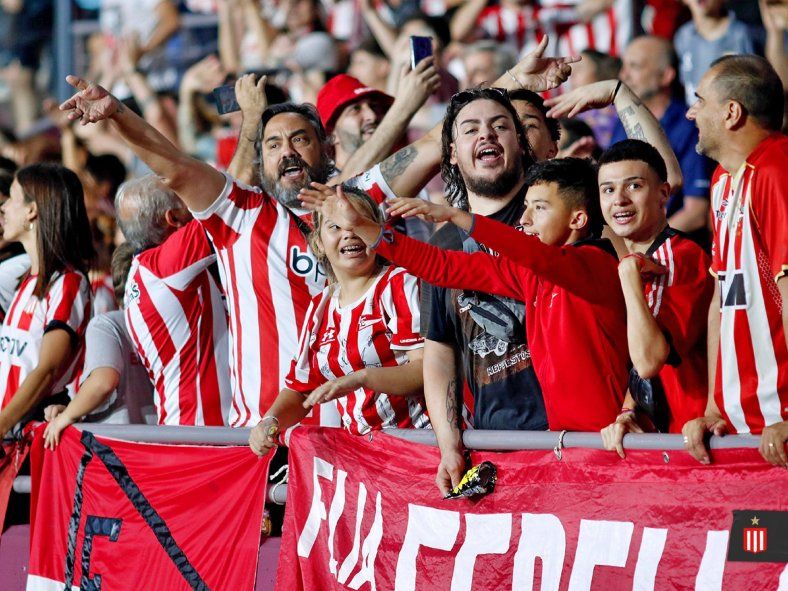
(366, 515)
(121, 516)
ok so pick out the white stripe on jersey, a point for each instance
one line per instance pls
(765, 357)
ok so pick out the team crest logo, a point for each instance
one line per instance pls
(754, 538)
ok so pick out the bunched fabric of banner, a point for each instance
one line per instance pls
(117, 516)
(365, 514)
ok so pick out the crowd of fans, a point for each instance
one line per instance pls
(571, 216)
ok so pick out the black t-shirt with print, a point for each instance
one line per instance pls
(488, 333)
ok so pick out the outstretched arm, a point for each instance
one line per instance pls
(415, 88)
(197, 183)
(639, 123)
(408, 170)
(477, 271)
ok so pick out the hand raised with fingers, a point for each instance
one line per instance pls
(538, 73)
(251, 96)
(333, 204)
(591, 96)
(416, 86)
(415, 207)
(204, 75)
(91, 103)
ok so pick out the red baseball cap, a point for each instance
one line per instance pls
(338, 93)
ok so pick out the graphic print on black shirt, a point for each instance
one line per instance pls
(488, 332)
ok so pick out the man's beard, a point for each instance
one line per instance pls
(289, 196)
(351, 142)
(496, 188)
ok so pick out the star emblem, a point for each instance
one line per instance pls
(755, 521)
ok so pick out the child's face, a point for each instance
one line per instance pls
(547, 214)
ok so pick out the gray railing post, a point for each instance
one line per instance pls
(63, 48)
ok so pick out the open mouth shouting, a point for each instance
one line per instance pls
(489, 154)
(293, 169)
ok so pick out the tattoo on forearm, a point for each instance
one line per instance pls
(395, 165)
(452, 411)
(633, 129)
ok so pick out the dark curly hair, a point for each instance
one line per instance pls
(456, 191)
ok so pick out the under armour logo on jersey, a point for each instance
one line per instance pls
(328, 336)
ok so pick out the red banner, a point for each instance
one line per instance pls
(121, 516)
(366, 515)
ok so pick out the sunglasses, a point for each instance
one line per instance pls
(472, 94)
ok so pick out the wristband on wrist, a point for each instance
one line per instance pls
(626, 412)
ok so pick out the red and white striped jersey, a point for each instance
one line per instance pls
(749, 255)
(269, 275)
(103, 293)
(176, 318)
(609, 31)
(520, 29)
(679, 301)
(375, 331)
(66, 306)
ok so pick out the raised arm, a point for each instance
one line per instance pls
(252, 100)
(411, 168)
(415, 88)
(384, 33)
(464, 20)
(639, 123)
(477, 271)
(197, 183)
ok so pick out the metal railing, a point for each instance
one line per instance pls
(472, 439)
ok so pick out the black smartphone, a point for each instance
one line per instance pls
(225, 99)
(420, 48)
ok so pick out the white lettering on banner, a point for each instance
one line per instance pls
(652, 544)
(369, 550)
(712, 565)
(484, 534)
(337, 507)
(603, 543)
(542, 537)
(432, 528)
(317, 513)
